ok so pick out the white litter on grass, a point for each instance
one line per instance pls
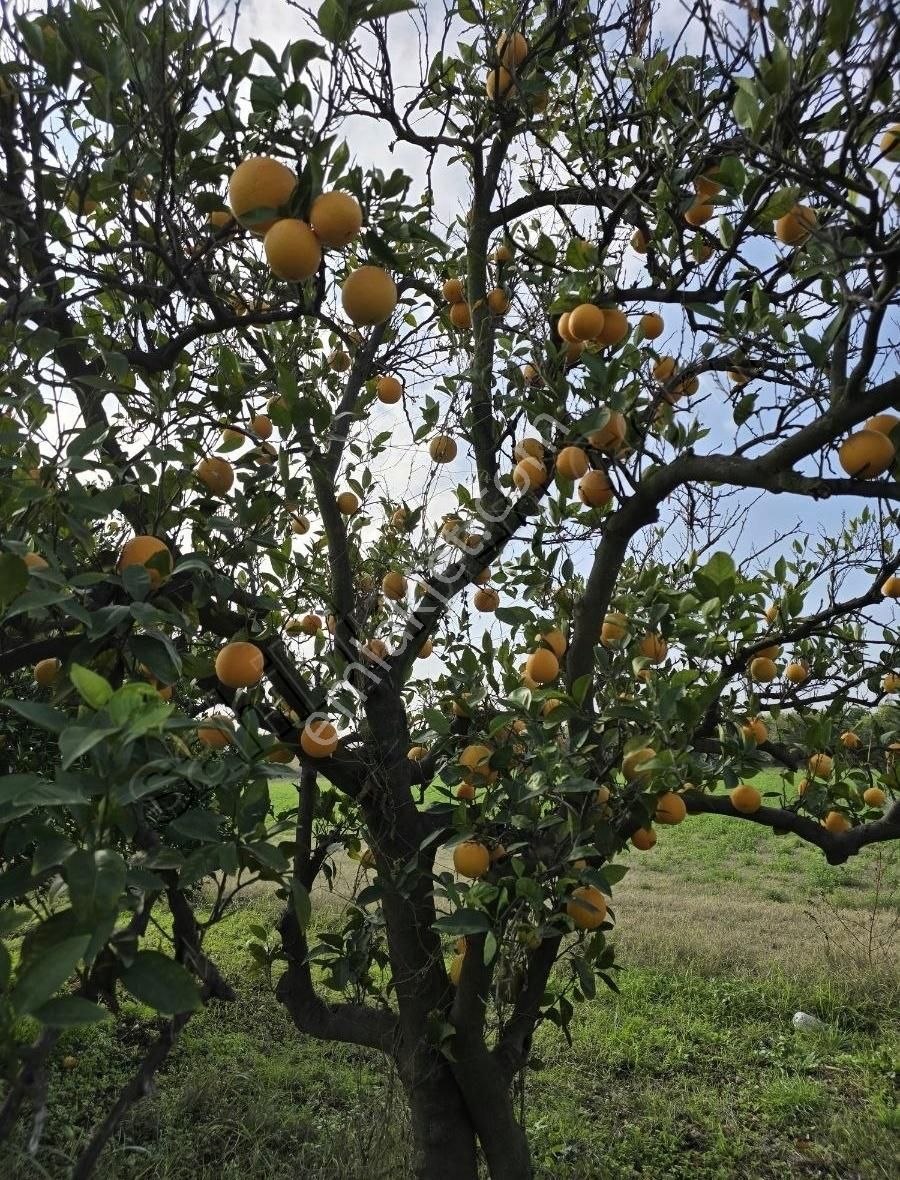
(805, 1022)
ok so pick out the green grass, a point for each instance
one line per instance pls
(693, 1071)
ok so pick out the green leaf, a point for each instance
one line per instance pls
(334, 21)
(388, 8)
(94, 690)
(37, 983)
(77, 740)
(839, 22)
(69, 1012)
(13, 577)
(161, 983)
(746, 107)
(14, 786)
(40, 715)
(96, 881)
(302, 903)
(464, 921)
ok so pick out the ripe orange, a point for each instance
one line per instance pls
(375, 650)
(586, 907)
(795, 227)
(442, 449)
(503, 253)
(512, 49)
(850, 740)
(46, 672)
(217, 474)
(369, 295)
(652, 325)
(796, 672)
(602, 795)
(820, 766)
(866, 454)
(486, 600)
(219, 735)
(874, 796)
(311, 624)
(595, 490)
(416, 753)
(562, 327)
(476, 760)
(261, 426)
(770, 653)
(482, 577)
(529, 448)
(471, 859)
(426, 649)
(889, 144)
(891, 682)
(35, 562)
(259, 183)
(586, 322)
(699, 213)
(240, 665)
(497, 301)
(639, 242)
(348, 503)
(664, 368)
(499, 84)
(465, 791)
(643, 839)
(318, 738)
(572, 463)
(763, 670)
(542, 666)
(529, 373)
(300, 525)
(670, 808)
(336, 218)
(219, 218)
(141, 549)
(461, 315)
(453, 291)
(393, 586)
(456, 967)
(755, 730)
(339, 361)
(292, 250)
(556, 641)
(771, 612)
(529, 473)
(611, 436)
(388, 390)
(654, 647)
(891, 587)
(615, 327)
(634, 760)
(745, 799)
(614, 628)
(836, 821)
(885, 423)
(705, 186)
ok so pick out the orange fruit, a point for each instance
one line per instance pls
(874, 796)
(699, 213)
(572, 463)
(486, 600)
(453, 291)
(476, 760)
(796, 672)
(562, 327)
(219, 735)
(292, 250)
(755, 730)
(461, 315)
(850, 740)
(512, 49)
(705, 186)
(866, 454)
(471, 859)
(499, 84)
(652, 325)
(891, 587)
(529, 473)
(217, 474)
(141, 549)
(260, 183)
(336, 218)
(318, 738)
(634, 760)
(643, 839)
(35, 562)
(375, 650)
(300, 525)
(240, 665)
(820, 766)
(497, 301)
(615, 327)
(602, 795)
(595, 490)
(745, 799)
(889, 144)
(393, 586)
(310, 624)
(529, 448)
(769, 653)
(654, 647)
(542, 666)
(586, 907)
(339, 361)
(261, 426)
(442, 449)
(885, 423)
(46, 672)
(586, 322)
(771, 612)
(465, 791)
(664, 368)
(456, 967)
(891, 682)
(836, 821)
(763, 670)
(348, 503)
(416, 753)
(388, 390)
(794, 228)
(639, 242)
(614, 628)
(670, 808)
(529, 374)
(556, 641)
(219, 218)
(369, 295)
(425, 650)
(611, 436)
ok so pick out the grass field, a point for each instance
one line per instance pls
(693, 1071)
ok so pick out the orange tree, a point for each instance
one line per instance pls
(278, 422)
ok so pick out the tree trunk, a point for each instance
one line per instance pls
(443, 1134)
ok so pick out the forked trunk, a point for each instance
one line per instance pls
(442, 1132)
